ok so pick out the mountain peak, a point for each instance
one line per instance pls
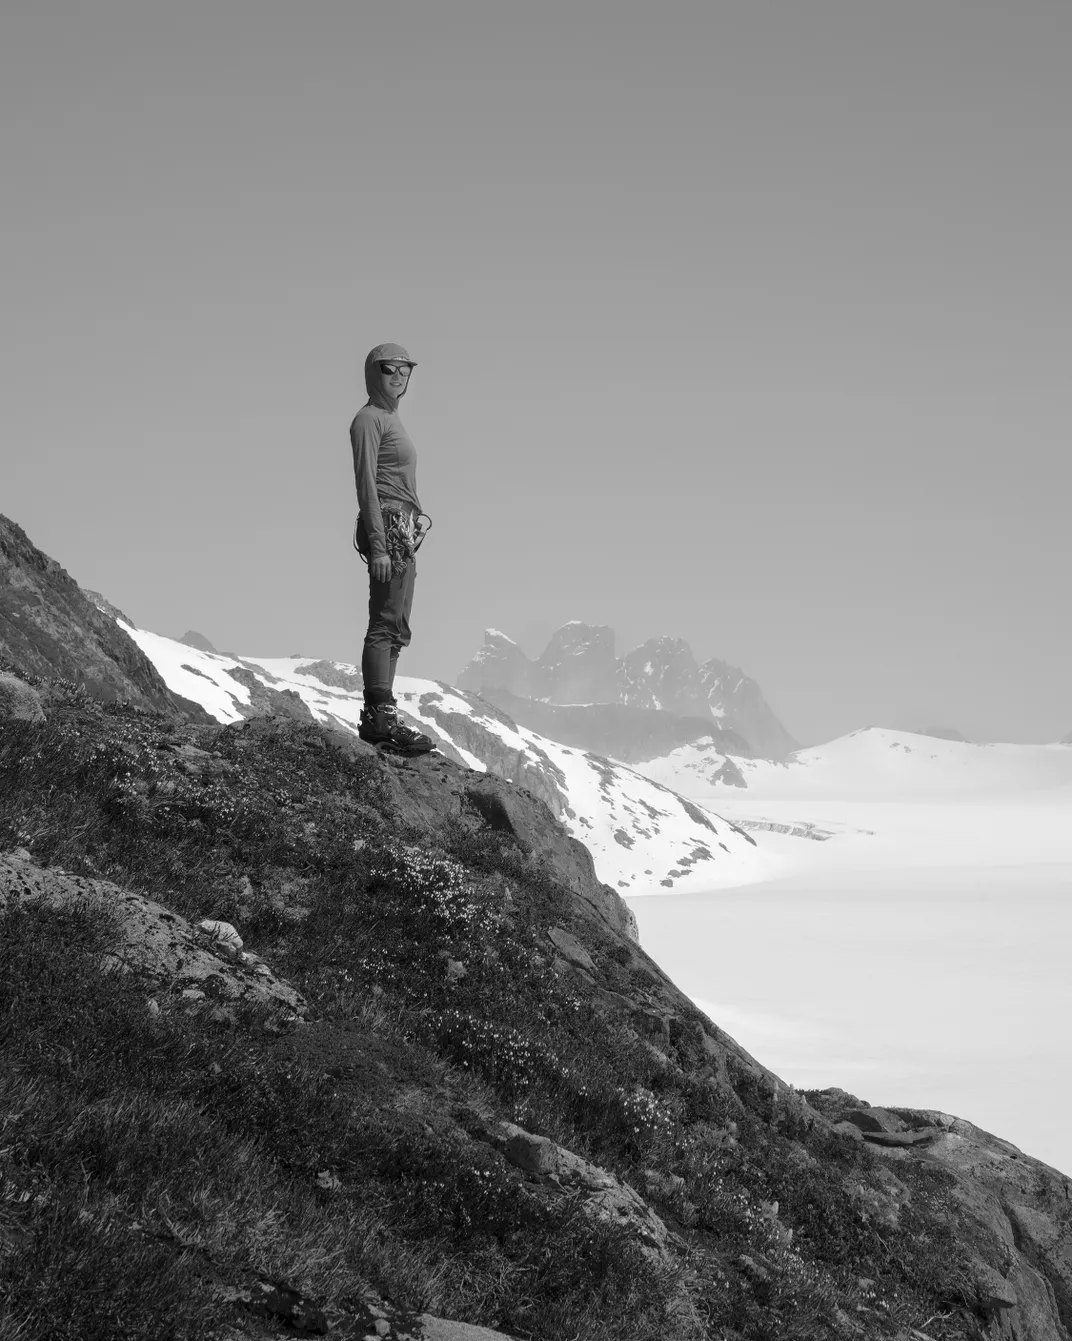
(194, 639)
(106, 607)
(49, 627)
(579, 666)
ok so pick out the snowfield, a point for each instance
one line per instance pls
(912, 946)
(874, 763)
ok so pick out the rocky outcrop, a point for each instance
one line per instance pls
(527, 764)
(1014, 1211)
(19, 702)
(50, 629)
(430, 791)
(333, 675)
(265, 701)
(183, 966)
(603, 1197)
(106, 607)
(578, 670)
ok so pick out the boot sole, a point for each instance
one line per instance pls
(389, 747)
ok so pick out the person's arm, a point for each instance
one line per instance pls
(365, 441)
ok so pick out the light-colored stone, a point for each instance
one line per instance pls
(570, 948)
(995, 1292)
(443, 1329)
(222, 932)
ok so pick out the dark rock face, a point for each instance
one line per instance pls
(194, 639)
(49, 628)
(615, 730)
(328, 673)
(264, 701)
(737, 702)
(1066, 740)
(578, 664)
(578, 668)
(500, 663)
(729, 775)
(662, 673)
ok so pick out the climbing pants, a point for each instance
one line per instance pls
(388, 632)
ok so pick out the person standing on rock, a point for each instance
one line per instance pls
(387, 536)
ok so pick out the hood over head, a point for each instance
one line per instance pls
(373, 384)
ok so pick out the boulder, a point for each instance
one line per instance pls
(604, 1197)
(570, 948)
(19, 702)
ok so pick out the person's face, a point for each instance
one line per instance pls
(395, 377)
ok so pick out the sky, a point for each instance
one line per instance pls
(744, 323)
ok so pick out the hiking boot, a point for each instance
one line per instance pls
(380, 726)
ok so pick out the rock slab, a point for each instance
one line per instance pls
(176, 958)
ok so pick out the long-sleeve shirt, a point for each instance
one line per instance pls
(385, 470)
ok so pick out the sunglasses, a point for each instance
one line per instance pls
(389, 369)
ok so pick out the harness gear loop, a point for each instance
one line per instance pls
(403, 536)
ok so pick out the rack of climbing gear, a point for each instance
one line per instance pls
(403, 534)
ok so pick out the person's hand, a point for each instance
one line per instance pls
(380, 569)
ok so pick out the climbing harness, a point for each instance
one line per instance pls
(403, 534)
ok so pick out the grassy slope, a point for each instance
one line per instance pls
(152, 1165)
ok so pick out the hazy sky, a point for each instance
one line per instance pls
(748, 323)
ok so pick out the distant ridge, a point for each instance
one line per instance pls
(943, 733)
(52, 629)
(194, 639)
(579, 667)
